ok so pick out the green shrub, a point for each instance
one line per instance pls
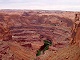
(45, 47)
(46, 42)
(38, 53)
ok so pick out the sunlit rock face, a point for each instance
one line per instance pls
(27, 31)
(29, 28)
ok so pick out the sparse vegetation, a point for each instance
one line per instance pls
(45, 47)
(38, 53)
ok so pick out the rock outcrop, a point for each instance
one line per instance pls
(21, 35)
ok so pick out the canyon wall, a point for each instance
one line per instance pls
(21, 35)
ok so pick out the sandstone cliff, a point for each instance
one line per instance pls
(21, 35)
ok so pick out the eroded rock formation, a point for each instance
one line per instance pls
(21, 35)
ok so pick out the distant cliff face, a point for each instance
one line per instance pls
(30, 30)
